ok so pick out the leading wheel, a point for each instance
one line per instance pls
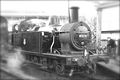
(59, 68)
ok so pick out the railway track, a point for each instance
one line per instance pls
(28, 72)
(31, 71)
(50, 74)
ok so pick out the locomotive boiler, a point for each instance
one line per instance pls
(62, 51)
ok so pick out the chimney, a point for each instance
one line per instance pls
(74, 14)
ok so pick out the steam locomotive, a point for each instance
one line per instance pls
(63, 51)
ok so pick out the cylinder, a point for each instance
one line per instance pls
(74, 14)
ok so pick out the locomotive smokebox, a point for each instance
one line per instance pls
(74, 14)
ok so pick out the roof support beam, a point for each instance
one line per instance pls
(109, 5)
(98, 28)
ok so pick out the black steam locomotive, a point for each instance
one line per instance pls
(63, 51)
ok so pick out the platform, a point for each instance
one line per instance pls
(113, 65)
